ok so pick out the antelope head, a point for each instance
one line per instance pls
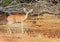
(27, 12)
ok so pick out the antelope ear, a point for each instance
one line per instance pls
(24, 9)
(30, 10)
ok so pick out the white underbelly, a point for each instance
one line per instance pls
(17, 21)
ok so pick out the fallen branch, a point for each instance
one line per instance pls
(11, 6)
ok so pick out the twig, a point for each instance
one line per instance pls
(11, 6)
(7, 3)
(12, 2)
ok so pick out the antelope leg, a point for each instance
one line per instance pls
(22, 27)
(8, 29)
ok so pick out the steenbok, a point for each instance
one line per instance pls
(16, 17)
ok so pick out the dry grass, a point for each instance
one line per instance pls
(46, 28)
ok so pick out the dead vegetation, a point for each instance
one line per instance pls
(43, 22)
(46, 25)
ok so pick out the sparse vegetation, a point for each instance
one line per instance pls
(42, 24)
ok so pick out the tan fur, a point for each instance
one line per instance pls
(18, 18)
